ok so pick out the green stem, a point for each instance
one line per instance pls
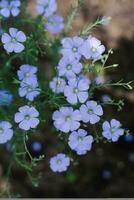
(25, 145)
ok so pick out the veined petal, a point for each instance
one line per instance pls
(21, 37)
(6, 38)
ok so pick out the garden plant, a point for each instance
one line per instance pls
(49, 80)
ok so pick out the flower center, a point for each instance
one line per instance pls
(93, 49)
(90, 111)
(13, 40)
(74, 49)
(59, 161)
(27, 117)
(76, 90)
(68, 118)
(27, 74)
(52, 23)
(69, 67)
(29, 89)
(1, 130)
(79, 138)
(58, 82)
(112, 129)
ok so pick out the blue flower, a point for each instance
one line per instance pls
(129, 137)
(26, 72)
(57, 85)
(100, 80)
(27, 117)
(66, 119)
(59, 163)
(5, 98)
(55, 24)
(8, 8)
(6, 132)
(112, 130)
(92, 48)
(91, 112)
(106, 174)
(46, 7)
(69, 68)
(105, 98)
(36, 146)
(77, 90)
(12, 41)
(80, 142)
(71, 47)
(29, 89)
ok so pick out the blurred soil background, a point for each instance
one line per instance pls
(108, 170)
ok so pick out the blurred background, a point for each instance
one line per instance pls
(107, 170)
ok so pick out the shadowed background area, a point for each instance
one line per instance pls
(107, 170)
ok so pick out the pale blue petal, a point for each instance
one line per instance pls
(106, 126)
(15, 11)
(18, 47)
(13, 32)
(83, 96)
(74, 125)
(6, 38)
(107, 134)
(115, 123)
(19, 117)
(94, 119)
(9, 47)
(25, 125)
(21, 37)
(5, 12)
(33, 122)
(72, 98)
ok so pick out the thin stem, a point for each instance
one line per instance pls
(25, 145)
(111, 66)
(71, 16)
(119, 83)
(87, 29)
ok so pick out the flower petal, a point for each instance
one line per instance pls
(6, 38)
(21, 37)
(18, 47)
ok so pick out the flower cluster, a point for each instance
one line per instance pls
(29, 87)
(27, 117)
(8, 8)
(78, 112)
(47, 8)
(75, 87)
